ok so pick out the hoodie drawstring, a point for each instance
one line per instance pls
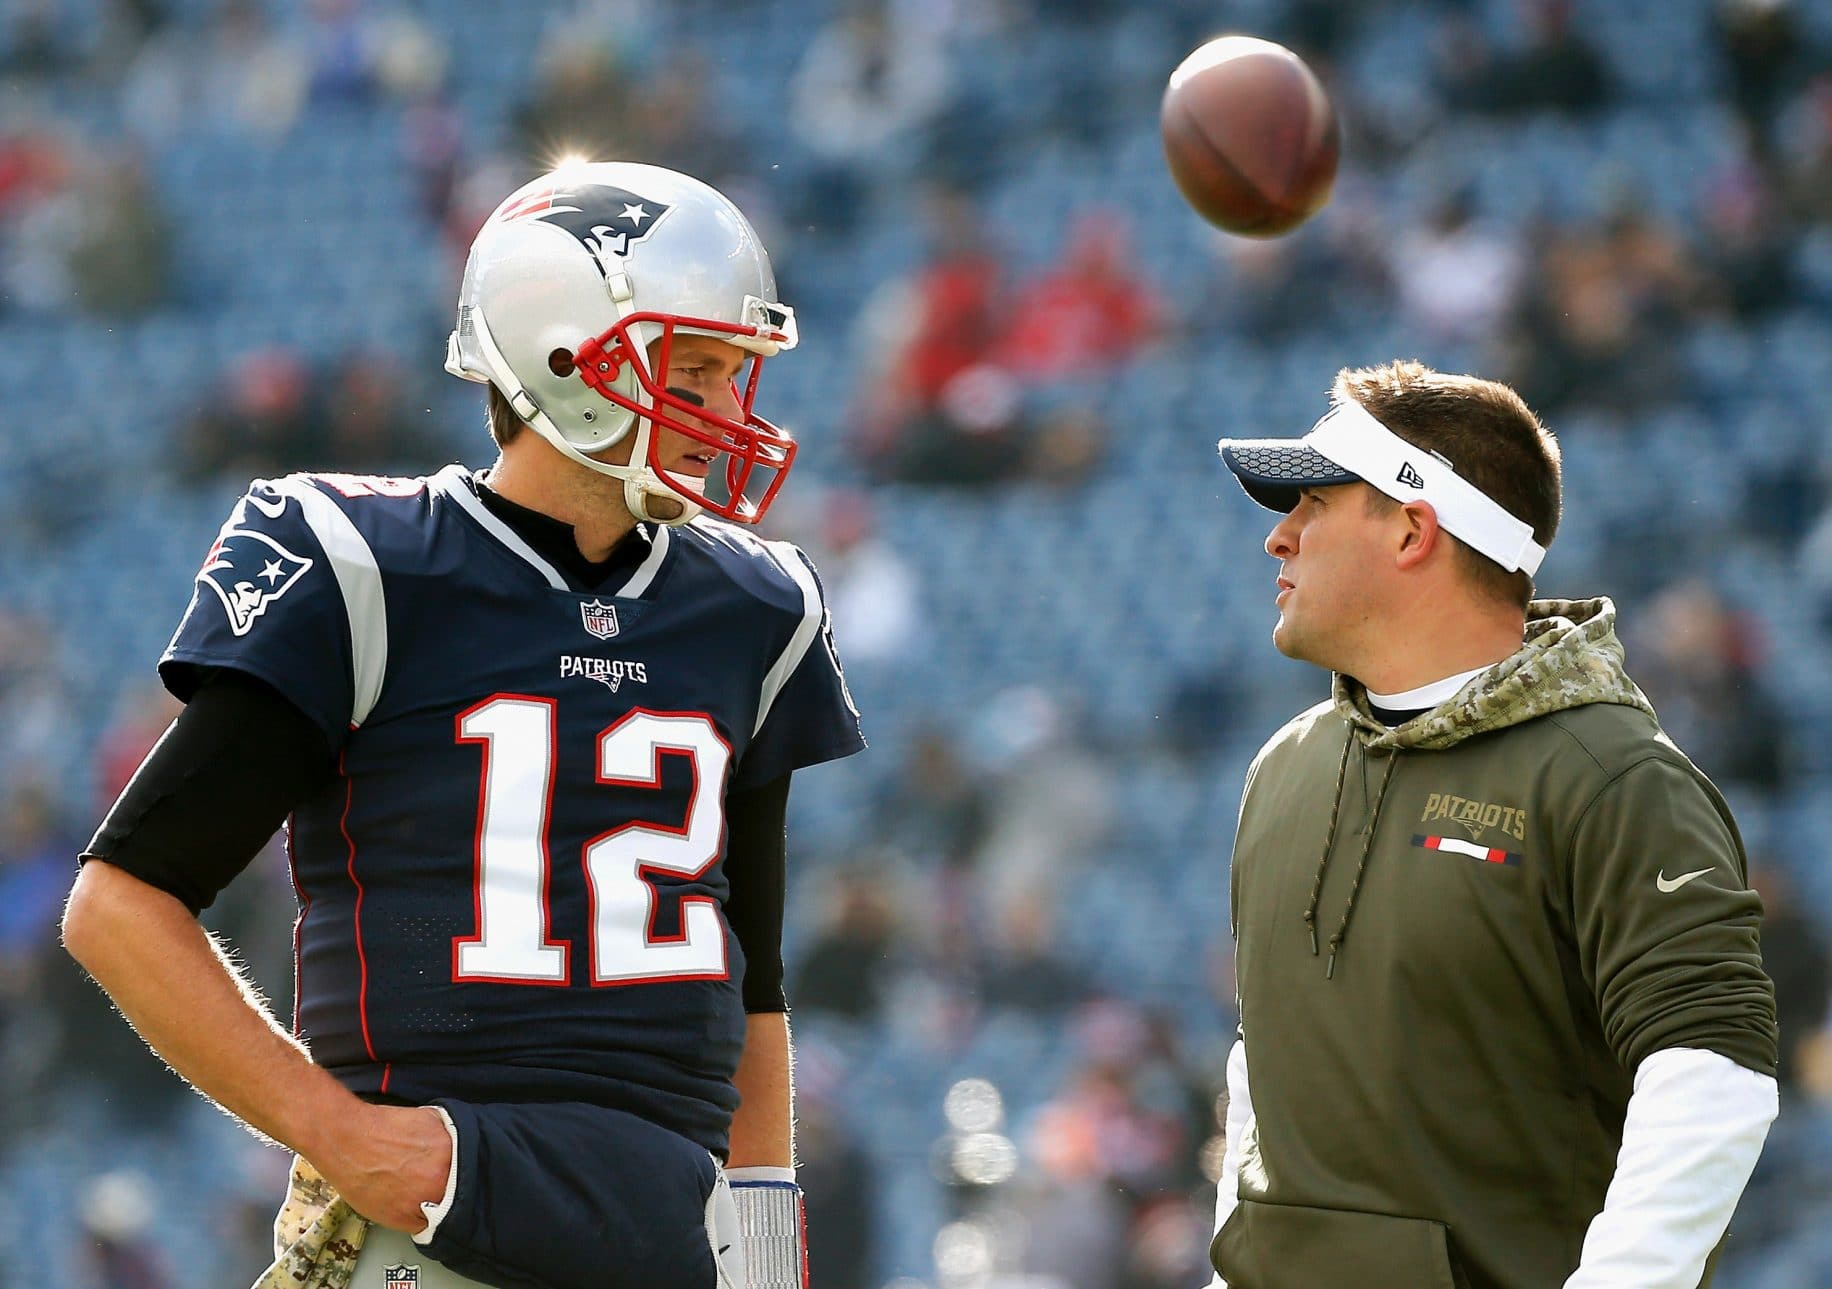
(1367, 847)
(1361, 864)
(1329, 843)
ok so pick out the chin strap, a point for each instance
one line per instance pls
(640, 484)
(775, 1234)
(638, 492)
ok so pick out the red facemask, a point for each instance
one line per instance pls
(746, 444)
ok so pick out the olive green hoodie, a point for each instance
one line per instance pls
(1456, 939)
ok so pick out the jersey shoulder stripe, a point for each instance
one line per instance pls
(778, 572)
(814, 613)
(359, 580)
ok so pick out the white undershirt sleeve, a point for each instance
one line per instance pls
(1696, 1123)
(1240, 1114)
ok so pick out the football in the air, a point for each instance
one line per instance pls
(1250, 135)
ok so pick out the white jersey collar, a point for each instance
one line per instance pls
(455, 481)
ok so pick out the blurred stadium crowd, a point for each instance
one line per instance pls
(230, 236)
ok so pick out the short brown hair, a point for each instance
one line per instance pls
(504, 423)
(1489, 436)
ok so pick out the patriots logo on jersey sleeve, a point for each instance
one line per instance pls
(605, 219)
(249, 571)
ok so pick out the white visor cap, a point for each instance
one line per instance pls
(1350, 444)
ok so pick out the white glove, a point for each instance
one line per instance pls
(773, 1228)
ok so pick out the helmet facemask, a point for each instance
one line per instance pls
(756, 454)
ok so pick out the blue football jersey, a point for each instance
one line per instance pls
(513, 887)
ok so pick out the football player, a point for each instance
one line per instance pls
(532, 731)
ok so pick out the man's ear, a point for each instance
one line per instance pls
(1420, 535)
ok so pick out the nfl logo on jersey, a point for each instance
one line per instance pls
(600, 619)
(401, 1277)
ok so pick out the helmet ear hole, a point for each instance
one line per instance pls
(560, 362)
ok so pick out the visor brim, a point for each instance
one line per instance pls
(1273, 471)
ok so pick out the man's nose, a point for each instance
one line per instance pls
(725, 402)
(1282, 541)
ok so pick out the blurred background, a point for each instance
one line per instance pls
(230, 238)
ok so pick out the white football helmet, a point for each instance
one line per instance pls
(569, 284)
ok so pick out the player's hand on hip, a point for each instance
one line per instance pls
(394, 1159)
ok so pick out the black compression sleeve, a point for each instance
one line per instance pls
(756, 866)
(216, 786)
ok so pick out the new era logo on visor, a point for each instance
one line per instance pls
(1408, 476)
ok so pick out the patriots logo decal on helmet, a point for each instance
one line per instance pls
(606, 219)
(249, 571)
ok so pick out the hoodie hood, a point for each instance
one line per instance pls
(1570, 658)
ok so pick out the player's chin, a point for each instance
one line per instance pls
(1287, 639)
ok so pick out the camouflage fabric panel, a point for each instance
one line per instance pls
(1570, 658)
(316, 1236)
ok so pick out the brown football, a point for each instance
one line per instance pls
(1250, 135)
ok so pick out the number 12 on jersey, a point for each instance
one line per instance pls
(513, 942)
